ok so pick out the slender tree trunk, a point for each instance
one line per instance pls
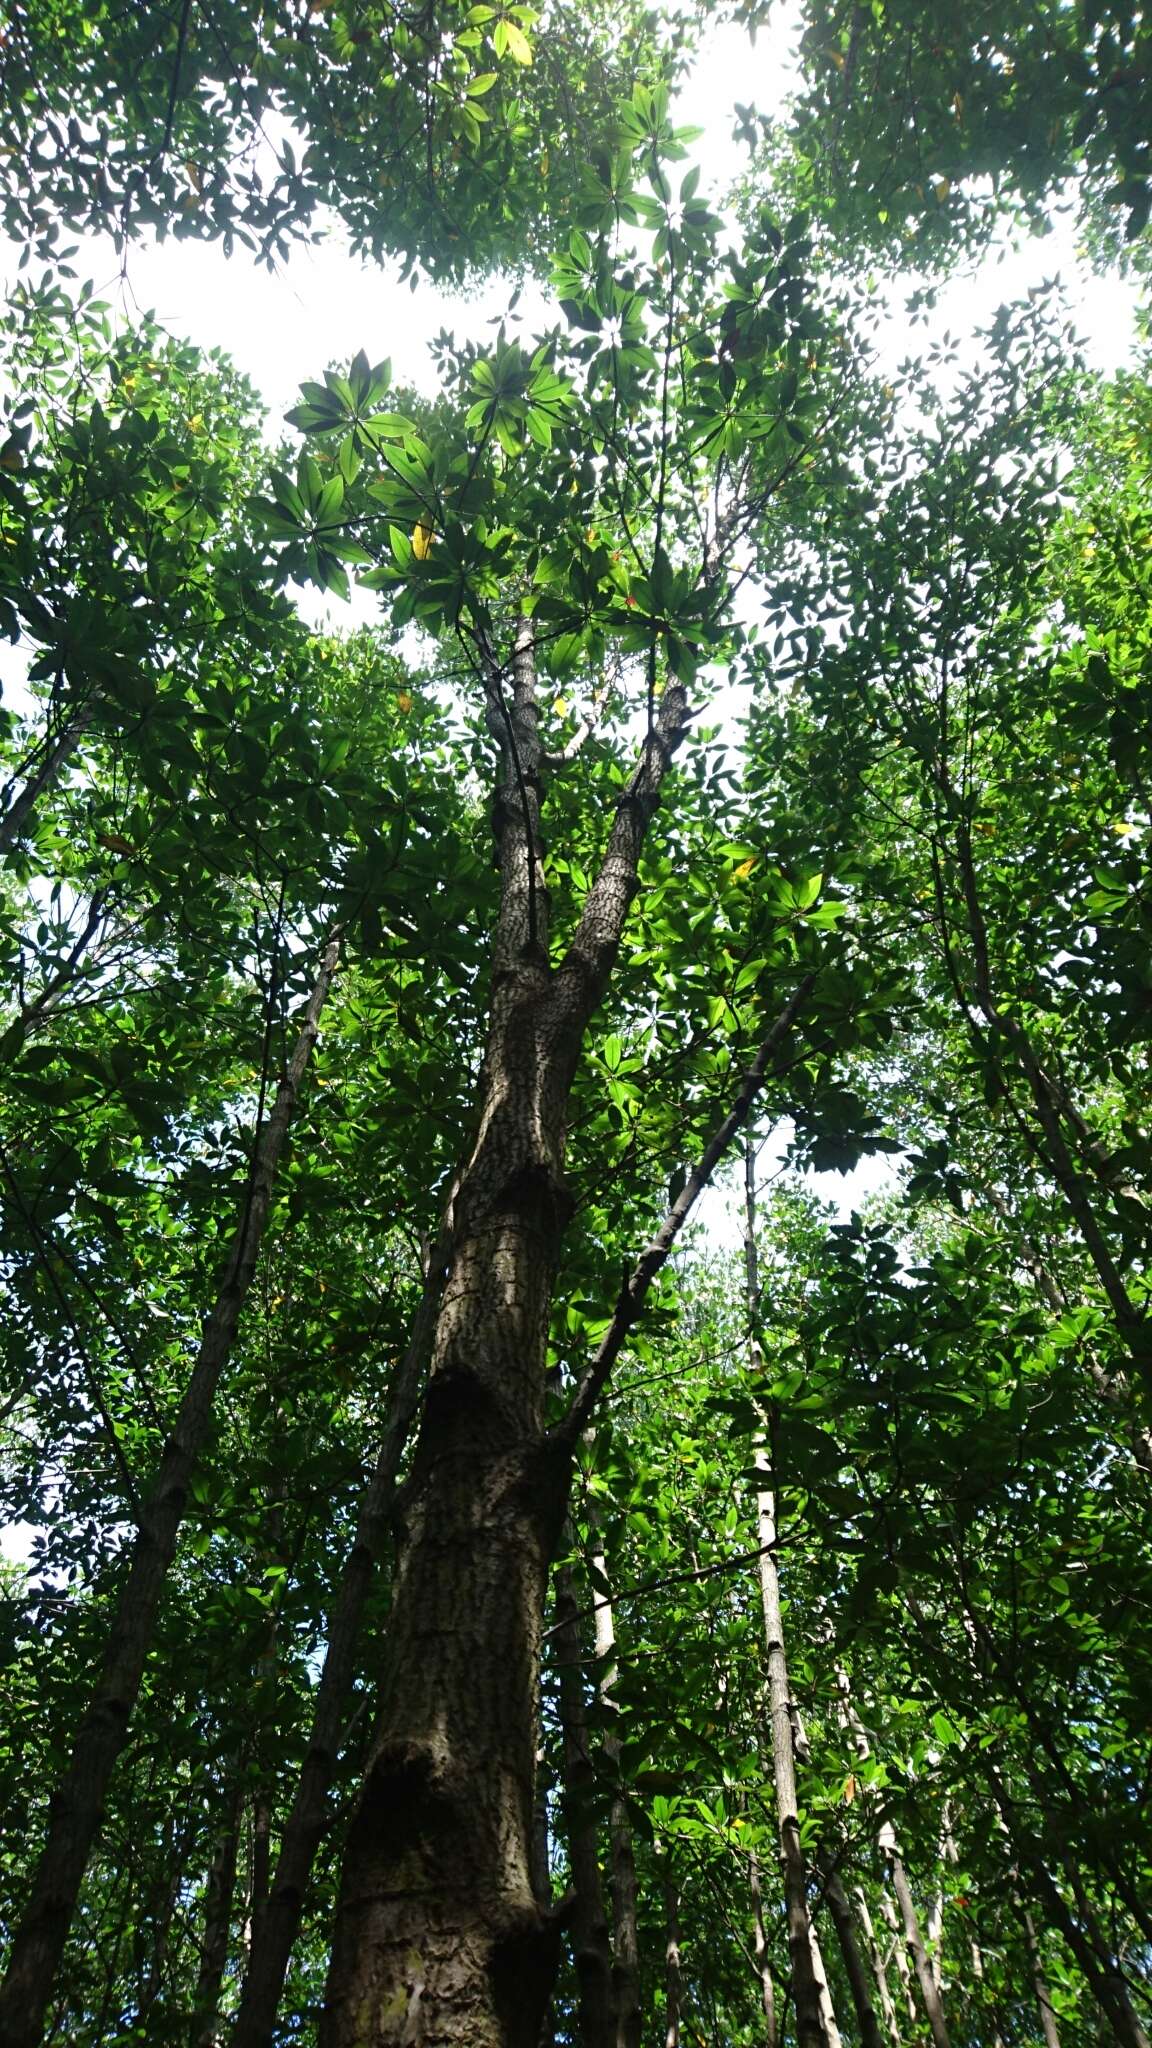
(854, 1967)
(1047, 2011)
(439, 1936)
(806, 1984)
(78, 1803)
(308, 1816)
(899, 1954)
(629, 2014)
(925, 1977)
(218, 1899)
(591, 1947)
(15, 820)
(671, 1964)
(879, 1968)
(760, 1944)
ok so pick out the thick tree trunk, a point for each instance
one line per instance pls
(439, 1937)
(78, 1803)
(840, 1909)
(588, 1920)
(807, 1987)
(218, 1897)
(308, 1816)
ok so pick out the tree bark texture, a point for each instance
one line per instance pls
(439, 1937)
(78, 1803)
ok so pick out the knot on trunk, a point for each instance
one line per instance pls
(536, 1193)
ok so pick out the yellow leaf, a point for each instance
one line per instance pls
(196, 423)
(403, 701)
(560, 706)
(421, 540)
(849, 1790)
(745, 868)
(518, 45)
(941, 187)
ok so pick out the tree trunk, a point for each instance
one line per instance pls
(218, 1897)
(439, 1936)
(899, 1954)
(854, 1968)
(1043, 1996)
(925, 1977)
(78, 1803)
(760, 1942)
(15, 820)
(308, 1816)
(879, 1969)
(671, 1964)
(588, 1922)
(806, 1986)
(625, 1933)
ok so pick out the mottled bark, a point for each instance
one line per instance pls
(439, 1937)
(309, 1813)
(78, 1803)
(855, 1969)
(811, 2026)
(588, 1919)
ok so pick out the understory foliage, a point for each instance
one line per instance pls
(745, 778)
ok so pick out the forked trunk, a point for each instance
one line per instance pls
(439, 1935)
